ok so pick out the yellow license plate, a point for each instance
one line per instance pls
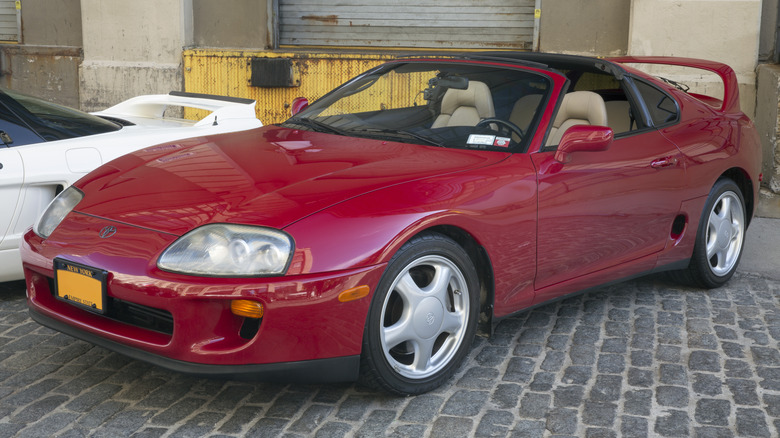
(80, 285)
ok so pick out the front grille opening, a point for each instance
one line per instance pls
(141, 316)
(145, 317)
(249, 328)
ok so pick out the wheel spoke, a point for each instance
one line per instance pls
(717, 218)
(712, 240)
(720, 258)
(725, 208)
(440, 283)
(423, 351)
(735, 231)
(453, 322)
(409, 291)
(399, 332)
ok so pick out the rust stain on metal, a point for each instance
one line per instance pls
(327, 19)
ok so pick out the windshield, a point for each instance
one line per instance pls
(448, 104)
(55, 122)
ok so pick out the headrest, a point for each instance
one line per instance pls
(477, 95)
(582, 105)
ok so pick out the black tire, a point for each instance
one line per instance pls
(418, 331)
(720, 238)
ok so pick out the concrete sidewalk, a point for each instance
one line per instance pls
(762, 248)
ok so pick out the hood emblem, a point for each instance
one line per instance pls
(107, 232)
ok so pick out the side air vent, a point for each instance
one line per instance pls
(678, 226)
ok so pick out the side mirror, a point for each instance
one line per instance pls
(583, 138)
(298, 104)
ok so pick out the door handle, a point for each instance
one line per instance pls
(663, 162)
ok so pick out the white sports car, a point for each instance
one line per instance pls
(46, 147)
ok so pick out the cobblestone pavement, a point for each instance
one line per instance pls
(644, 358)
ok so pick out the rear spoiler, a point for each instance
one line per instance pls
(154, 106)
(726, 73)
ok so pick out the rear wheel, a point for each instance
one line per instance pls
(720, 237)
(422, 318)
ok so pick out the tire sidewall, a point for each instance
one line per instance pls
(420, 246)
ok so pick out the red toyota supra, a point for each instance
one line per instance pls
(378, 229)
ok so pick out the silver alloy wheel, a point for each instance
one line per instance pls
(424, 317)
(725, 233)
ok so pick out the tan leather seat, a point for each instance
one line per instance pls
(465, 107)
(618, 114)
(578, 108)
(524, 110)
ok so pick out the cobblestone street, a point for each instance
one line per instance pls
(644, 358)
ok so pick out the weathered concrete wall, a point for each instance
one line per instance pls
(104, 84)
(768, 123)
(46, 63)
(232, 24)
(590, 27)
(51, 22)
(44, 71)
(767, 41)
(132, 48)
(720, 30)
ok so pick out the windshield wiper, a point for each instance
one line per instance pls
(316, 124)
(395, 133)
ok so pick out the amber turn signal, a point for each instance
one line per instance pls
(246, 308)
(353, 294)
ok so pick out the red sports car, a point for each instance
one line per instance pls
(378, 229)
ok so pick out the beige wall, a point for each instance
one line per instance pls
(51, 22)
(232, 24)
(132, 48)
(720, 30)
(592, 27)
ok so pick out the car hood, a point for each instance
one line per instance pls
(270, 176)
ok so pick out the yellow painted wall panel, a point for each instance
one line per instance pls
(229, 73)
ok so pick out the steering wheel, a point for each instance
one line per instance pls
(506, 123)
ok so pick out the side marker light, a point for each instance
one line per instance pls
(247, 308)
(353, 294)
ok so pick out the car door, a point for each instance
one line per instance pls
(606, 209)
(11, 180)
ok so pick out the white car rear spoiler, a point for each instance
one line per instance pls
(154, 106)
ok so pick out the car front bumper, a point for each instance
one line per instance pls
(305, 326)
(338, 369)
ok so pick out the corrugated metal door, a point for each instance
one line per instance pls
(9, 25)
(407, 23)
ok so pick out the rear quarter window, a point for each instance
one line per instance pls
(663, 109)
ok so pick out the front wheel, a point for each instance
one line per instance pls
(422, 318)
(720, 237)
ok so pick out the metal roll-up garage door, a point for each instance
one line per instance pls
(9, 26)
(407, 23)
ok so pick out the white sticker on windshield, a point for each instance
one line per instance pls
(481, 139)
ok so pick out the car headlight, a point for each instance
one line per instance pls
(58, 208)
(228, 250)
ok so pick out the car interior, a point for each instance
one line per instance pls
(445, 104)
